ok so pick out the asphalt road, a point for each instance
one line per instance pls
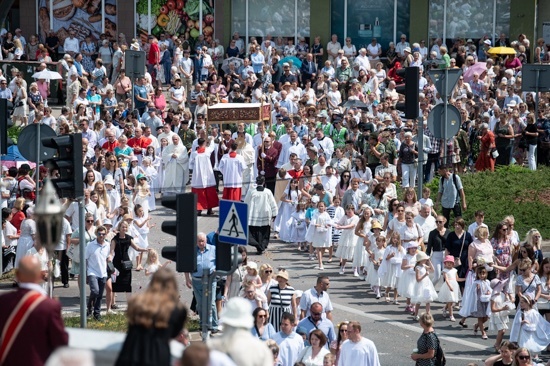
(387, 325)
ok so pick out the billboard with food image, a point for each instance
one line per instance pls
(85, 17)
(179, 17)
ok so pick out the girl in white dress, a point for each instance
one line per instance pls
(375, 260)
(142, 225)
(336, 213)
(151, 174)
(407, 280)
(500, 309)
(298, 226)
(348, 239)
(142, 192)
(449, 292)
(321, 235)
(152, 264)
(424, 290)
(288, 204)
(360, 258)
(370, 245)
(530, 329)
(390, 269)
(311, 214)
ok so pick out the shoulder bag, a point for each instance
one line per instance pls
(458, 261)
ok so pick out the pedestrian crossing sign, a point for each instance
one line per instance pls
(233, 225)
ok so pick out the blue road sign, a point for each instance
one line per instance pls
(233, 225)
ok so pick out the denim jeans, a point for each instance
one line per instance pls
(97, 285)
(198, 291)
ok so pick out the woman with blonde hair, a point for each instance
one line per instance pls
(154, 318)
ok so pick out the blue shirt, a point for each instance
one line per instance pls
(324, 325)
(142, 92)
(205, 260)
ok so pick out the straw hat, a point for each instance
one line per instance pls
(421, 256)
(283, 274)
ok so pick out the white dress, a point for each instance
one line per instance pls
(534, 335)
(348, 239)
(407, 281)
(499, 320)
(390, 270)
(372, 274)
(152, 176)
(424, 290)
(445, 295)
(283, 219)
(321, 237)
(298, 227)
(360, 255)
(25, 242)
(143, 231)
(310, 228)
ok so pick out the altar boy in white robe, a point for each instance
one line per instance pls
(232, 167)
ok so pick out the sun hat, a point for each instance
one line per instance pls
(376, 225)
(487, 42)
(420, 256)
(237, 313)
(109, 180)
(449, 258)
(107, 222)
(282, 274)
(407, 49)
(411, 244)
(252, 265)
(497, 285)
(140, 176)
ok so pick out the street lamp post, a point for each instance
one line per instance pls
(49, 222)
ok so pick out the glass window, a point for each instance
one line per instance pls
(465, 19)
(275, 18)
(370, 19)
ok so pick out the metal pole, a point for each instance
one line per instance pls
(36, 169)
(420, 167)
(445, 103)
(345, 20)
(537, 96)
(200, 16)
(445, 23)
(82, 278)
(205, 306)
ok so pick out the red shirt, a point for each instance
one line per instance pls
(154, 54)
(141, 142)
(110, 146)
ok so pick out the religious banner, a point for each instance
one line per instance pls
(84, 17)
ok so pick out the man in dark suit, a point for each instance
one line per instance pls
(308, 69)
(268, 155)
(42, 329)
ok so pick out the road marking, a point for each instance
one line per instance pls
(409, 327)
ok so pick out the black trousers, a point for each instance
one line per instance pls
(457, 211)
(64, 265)
(259, 237)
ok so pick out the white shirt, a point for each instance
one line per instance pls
(66, 230)
(96, 258)
(71, 44)
(358, 353)
(289, 347)
(426, 224)
(232, 170)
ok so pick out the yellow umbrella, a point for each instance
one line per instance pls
(501, 51)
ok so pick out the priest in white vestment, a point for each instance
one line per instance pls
(247, 151)
(203, 182)
(176, 167)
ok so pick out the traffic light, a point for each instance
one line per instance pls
(5, 124)
(66, 168)
(184, 228)
(410, 90)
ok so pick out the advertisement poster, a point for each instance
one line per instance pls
(82, 16)
(175, 17)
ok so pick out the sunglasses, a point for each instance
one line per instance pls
(524, 357)
(268, 271)
(343, 330)
(316, 314)
(439, 222)
(262, 316)
(90, 221)
(101, 234)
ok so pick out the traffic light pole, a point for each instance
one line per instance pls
(446, 103)
(420, 165)
(207, 281)
(82, 277)
(36, 169)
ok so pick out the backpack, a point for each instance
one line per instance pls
(455, 184)
(25, 193)
(440, 359)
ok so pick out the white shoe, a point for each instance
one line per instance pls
(109, 312)
(355, 273)
(361, 277)
(342, 270)
(319, 268)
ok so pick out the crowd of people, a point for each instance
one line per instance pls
(319, 172)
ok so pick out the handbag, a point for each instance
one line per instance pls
(458, 261)
(73, 253)
(494, 153)
(127, 265)
(523, 143)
